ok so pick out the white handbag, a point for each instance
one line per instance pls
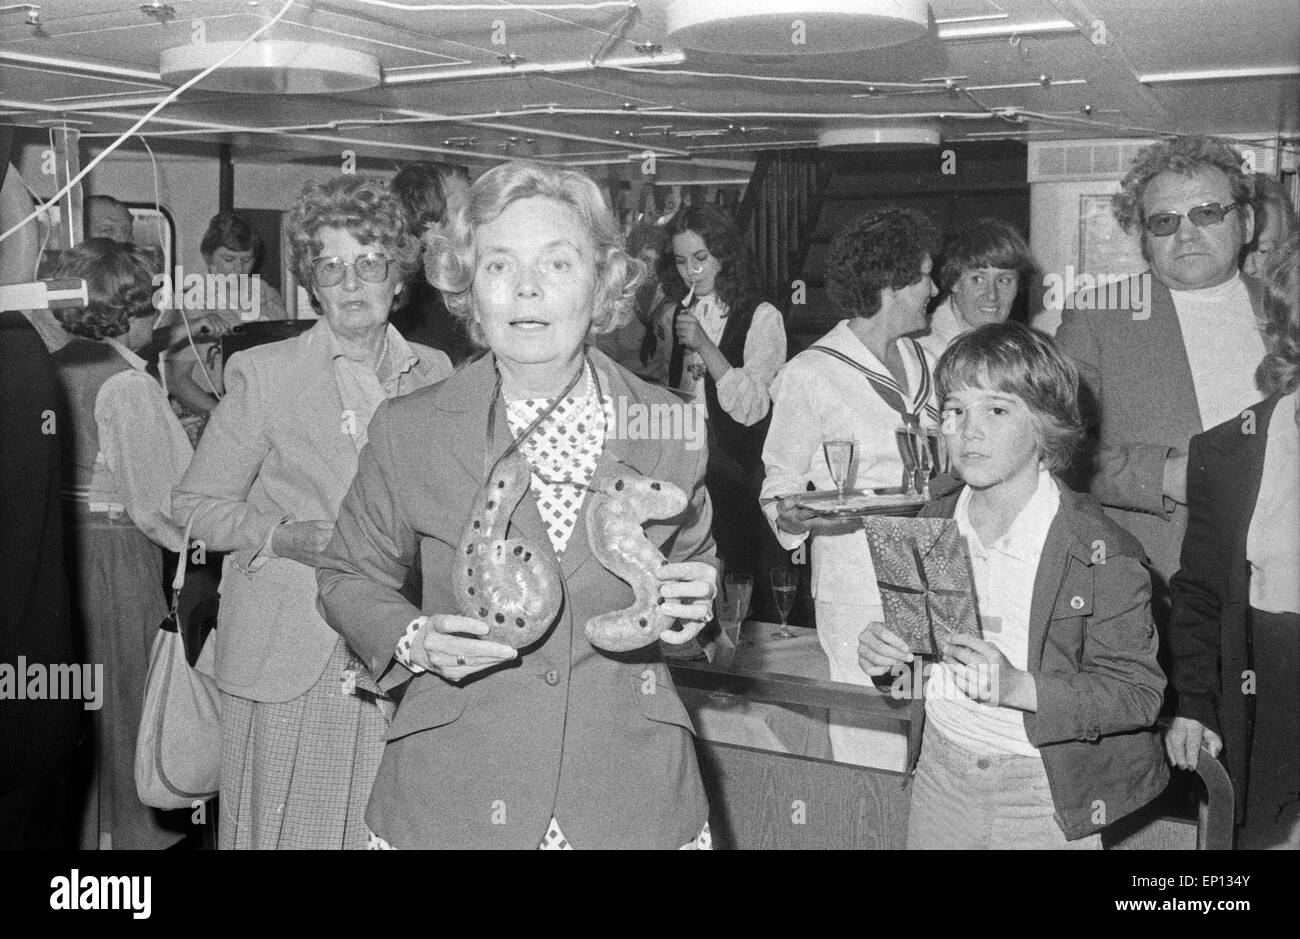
(178, 745)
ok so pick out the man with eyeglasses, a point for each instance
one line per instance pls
(1183, 362)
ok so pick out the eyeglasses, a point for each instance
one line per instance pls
(1163, 224)
(372, 268)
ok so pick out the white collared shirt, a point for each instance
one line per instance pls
(1273, 540)
(1224, 347)
(1004, 574)
(143, 450)
(817, 397)
(744, 392)
(359, 387)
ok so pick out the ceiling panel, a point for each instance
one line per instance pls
(1045, 84)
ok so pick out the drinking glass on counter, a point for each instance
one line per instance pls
(785, 583)
(733, 606)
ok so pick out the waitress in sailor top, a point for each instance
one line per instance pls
(727, 346)
(862, 380)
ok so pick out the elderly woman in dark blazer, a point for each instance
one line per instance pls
(559, 743)
(301, 735)
(1234, 636)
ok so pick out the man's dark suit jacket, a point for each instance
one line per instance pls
(35, 624)
(1209, 632)
(1134, 364)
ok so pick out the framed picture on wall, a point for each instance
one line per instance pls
(1106, 251)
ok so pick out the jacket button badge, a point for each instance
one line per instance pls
(552, 677)
(1076, 603)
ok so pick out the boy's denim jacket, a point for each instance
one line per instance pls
(1092, 652)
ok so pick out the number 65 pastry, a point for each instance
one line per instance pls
(618, 507)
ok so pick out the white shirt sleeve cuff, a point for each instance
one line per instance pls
(403, 653)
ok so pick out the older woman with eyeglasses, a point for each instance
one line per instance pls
(303, 725)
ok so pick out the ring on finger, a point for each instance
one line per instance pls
(460, 660)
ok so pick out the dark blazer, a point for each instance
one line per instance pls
(599, 740)
(1209, 632)
(1134, 364)
(36, 735)
(1092, 649)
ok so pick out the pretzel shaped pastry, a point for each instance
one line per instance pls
(619, 506)
(509, 583)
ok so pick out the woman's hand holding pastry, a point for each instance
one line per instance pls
(686, 592)
(442, 647)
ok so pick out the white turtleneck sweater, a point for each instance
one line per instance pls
(1224, 347)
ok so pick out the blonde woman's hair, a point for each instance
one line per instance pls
(450, 260)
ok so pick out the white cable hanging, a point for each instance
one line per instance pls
(145, 119)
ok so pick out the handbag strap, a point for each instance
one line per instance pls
(179, 580)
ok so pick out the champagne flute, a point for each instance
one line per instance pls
(785, 582)
(739, 589)
(926, 458)
(839, 457)
(907, 450)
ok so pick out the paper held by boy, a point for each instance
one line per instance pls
(923, 571)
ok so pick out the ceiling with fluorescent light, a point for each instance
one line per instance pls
(478, 82)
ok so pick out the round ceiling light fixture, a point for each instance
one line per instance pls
(881, 135)
(273, 67)
(794, 27)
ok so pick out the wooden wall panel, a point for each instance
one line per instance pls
(776, 801)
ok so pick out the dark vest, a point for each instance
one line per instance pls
(83, 366)
(727, 437)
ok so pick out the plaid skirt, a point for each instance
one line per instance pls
(297, 774)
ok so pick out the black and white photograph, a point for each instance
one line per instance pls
(743, 425)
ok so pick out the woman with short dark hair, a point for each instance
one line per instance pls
(983, 268)
(123, 451)
(231, 250)
(861, 381)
